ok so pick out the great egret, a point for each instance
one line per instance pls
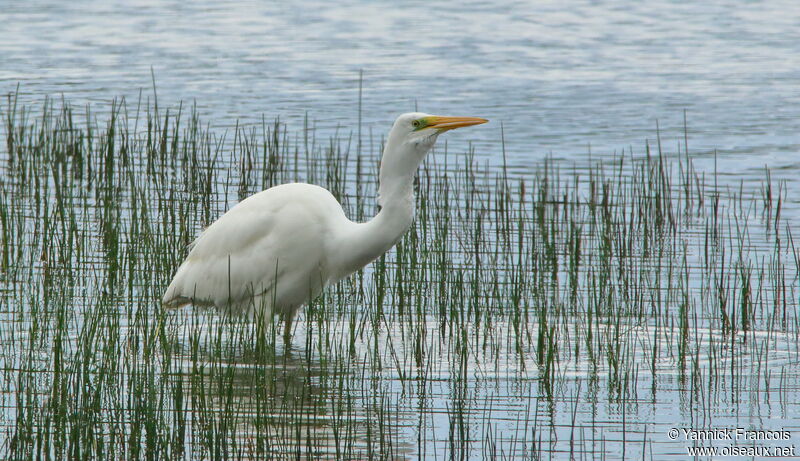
(279, 248)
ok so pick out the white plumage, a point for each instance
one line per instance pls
(276, 237)
(281, 247)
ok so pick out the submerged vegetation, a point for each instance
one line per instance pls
(562, 311)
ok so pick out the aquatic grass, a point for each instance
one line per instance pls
(513, 311)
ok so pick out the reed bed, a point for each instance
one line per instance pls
(558, 313)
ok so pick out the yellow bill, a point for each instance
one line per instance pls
(449, 123)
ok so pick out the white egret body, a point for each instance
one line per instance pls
(279, 248)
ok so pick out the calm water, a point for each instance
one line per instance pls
(562, 79)
(560, 76)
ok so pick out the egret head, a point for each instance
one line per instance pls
(410, 139)
(412, 136)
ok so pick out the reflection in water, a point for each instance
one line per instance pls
(245, 395)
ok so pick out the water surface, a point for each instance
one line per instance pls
(451, 358)
(559, 76)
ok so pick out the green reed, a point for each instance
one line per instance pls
(632, 271)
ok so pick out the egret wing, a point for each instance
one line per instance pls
(269, 248)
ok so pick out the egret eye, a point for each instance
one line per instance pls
(416, 124)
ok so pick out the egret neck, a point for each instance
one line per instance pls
(365, 242)
(409, 141)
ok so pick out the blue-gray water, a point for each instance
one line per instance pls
(561, 78)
